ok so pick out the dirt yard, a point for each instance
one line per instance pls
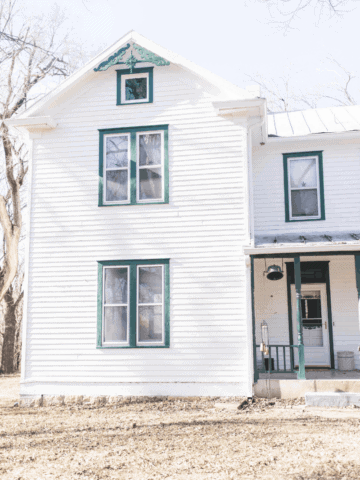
(207, 439)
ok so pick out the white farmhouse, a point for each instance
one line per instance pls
(159, 195)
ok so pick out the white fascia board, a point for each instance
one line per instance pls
(315, 137)
(87, 72)
(246, 106)
(42, 123)
(301, 250)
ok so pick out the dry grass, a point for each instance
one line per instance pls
(179, 440)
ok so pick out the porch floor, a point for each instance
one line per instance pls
(320, 374)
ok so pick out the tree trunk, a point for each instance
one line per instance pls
(9, 361)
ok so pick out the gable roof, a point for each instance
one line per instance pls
(314, 121)
(227, 89)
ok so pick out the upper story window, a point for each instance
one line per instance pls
(134, 87)
(133, 166)
(304, 186)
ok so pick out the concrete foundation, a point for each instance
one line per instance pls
(332, 399)
(277, 388)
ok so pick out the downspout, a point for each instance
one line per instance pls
(250, 280)
(249, 175)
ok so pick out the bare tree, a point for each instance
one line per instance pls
(342, 88)
(32, 50)
(287, 11)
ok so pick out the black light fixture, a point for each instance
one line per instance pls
(274, 272)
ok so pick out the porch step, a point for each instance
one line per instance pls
(332, 399)
(292, 388)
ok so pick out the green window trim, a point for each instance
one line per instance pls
(133, 268)
(319, 155)
(134, 72)
(132, 131)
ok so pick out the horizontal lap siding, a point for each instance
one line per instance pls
(341, 189)
(202, 231)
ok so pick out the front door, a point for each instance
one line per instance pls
(315, 324)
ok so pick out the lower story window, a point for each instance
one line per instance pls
(133, 304)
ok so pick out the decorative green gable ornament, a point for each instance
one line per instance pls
(145, 57)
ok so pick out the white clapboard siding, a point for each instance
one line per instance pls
(341, 165)
(201, 231)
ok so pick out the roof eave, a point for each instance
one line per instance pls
(31, 123)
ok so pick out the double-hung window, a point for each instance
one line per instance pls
(133, 166)
(133, 304)
(304, 186)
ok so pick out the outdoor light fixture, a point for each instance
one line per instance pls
(274, 272)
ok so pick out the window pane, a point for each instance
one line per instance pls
(117, 152)
(150, 183)
(150, 149)
(303, 173)
(150, 285)
(304, 203)
(116, 185)
(115, 324)
(116, 285)
(136, 88)
(150, 324)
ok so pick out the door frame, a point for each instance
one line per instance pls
(303, 266)
(324, 314)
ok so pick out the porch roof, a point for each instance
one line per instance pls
(315, 243)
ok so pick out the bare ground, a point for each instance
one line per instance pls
(179, 439)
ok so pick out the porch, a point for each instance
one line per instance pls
(309, 317)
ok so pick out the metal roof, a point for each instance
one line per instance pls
(317, 120)
(318, 238)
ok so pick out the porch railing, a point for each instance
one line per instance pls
(279, 360)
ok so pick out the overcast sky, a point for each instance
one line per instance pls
(231, 38)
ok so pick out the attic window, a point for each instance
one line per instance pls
(135, 87)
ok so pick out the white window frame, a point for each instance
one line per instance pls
(138, 167)
(134, 76)
(157, 344)
(127, 342)
(128, 168)
(290, 189)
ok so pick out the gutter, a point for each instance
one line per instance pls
(350, 247)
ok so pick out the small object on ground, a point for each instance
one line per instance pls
(16, 404)
(243, 404)
(134, 425)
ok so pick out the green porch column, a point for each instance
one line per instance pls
(301, 372)
(256, 372)
(357, 272)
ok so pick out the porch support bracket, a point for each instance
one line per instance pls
(297, 271)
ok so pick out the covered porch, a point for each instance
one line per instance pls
(305, 316)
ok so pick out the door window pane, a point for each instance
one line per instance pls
(304, 203)
(303, 173)
(115, 324)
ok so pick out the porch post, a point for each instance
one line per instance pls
(357, 272)
(256, 372)
(301, 372)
